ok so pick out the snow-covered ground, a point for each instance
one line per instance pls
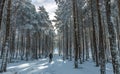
(57, 66)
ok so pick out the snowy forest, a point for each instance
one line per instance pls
(83, 37)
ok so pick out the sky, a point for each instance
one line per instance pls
(49, 5)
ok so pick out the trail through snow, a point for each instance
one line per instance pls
(57, 66)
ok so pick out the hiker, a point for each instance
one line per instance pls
(50, 57)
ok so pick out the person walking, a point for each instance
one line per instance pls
(50, 57)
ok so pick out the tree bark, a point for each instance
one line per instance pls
(2, 3)
(75, 33)
(5, 55)
(94, 38)
(101, 46)
(112, 37)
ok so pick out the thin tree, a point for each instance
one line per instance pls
(75, 33)
(2, 3)
(94, 36)
(101, 46)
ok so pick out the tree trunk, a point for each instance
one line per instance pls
(2, 3)
(66, 42)
(112, 37)
(118, 26)
(5, 55)
(94, 37)
(87, 42)
(70, 42)
(101, 46)
(75, 33)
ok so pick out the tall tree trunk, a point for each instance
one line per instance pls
(70, 43)
(22, 45)
(83, 41)
(75, 33)
(87, 44)
(27, 44)
(39, 45)
(94, 37)
(5, 55)
(63, 42)
(2, 3)
(112, 37)
(101, 46)
(119, 26)
(79, 35)
(66, 42)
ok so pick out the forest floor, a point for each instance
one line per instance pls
(57, 66)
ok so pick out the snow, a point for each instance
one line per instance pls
(57, 66)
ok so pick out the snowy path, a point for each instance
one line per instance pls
(58, 66)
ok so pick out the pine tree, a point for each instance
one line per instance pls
(75, 33)
(2, 3)
(101, 46)
(112, 37)
(5, 46)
